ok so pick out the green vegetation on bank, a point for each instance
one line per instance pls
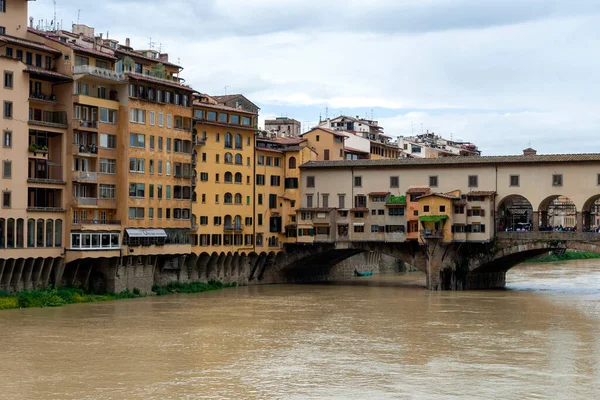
(192, 287)
(569, 255)
(56, 297)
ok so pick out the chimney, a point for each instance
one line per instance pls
(127, 42)
(31, 22)
(529, 152)
(163, 57)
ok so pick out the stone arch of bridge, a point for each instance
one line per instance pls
(591, 214)
(558, 210)
(514, 212)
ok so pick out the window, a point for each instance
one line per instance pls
(394, 182)
(107, 191)
(108, 141)
(8, 79)
(168, 169)
(247, 121)
(204, 176)
(137, 140)
(425, 208)
(152, 117)
(309, 200)
(6, 169)
(137, 115)
(108, 166)
(161, 117)
(137, 190)
(310, 181)
(442, 209)
(557, 180)
(291, 183)
(169, 121)
(136, 213)
(136, 165)
(8, 109)
(292, 163)
(325, 201)
(357, 181)
(318, 138)
(228, 141)
(275, 180)
(6, 199)
(514, 180)
(260, 199)
(7, 140)
(359, 228)
(260, 180)
(277, 162)
(598, 179)
(473, 181)
(342, 201)
(396, 211)
(160, 143)
(433, 181)
(108, 116)
(223, 117)
(3, 6)
(261, 160)
(160, 167)
(151, 142)
(168, 144)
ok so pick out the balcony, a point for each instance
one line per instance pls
(83, 222)
(50, 119)
(99, 73)
(85, 176)
(38, 152)
(84, 150)
(431, 234)
(84, 124)
(42, 97)
(108, 204)
(85, 202)
(200, 141)
(46, 209)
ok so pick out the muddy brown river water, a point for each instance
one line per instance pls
(379, 338)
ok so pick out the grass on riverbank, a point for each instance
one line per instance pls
(56, 297)
(567, 256)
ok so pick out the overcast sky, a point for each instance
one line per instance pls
(501, 73)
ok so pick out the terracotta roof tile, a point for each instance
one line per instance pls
(42, 71)
(418, 189)
(269, 150)
(481, 193)
(379, 193)
(444, 195)
(463, 161)
(28, 43)
(163, 82)
(359, 209)
(353, 150)
(133, 54)
(335, 133)
(94, 52)
(225, 108)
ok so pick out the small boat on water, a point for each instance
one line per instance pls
(366, 273)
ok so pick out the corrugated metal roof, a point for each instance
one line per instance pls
(462, 161)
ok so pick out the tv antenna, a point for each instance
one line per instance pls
(226, 87)
(151, 43)
(78, 15)
(160, 47)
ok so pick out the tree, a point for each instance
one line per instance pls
(159, 71)
(128, 64)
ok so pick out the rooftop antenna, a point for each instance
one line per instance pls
(160, 47)
(412, 128)
(421, 128)
(371, 114)
(326, 112)
(151, 44)
(54, 19)
(226, 86)
(78, 15)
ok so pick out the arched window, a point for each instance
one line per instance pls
(238, 159)
(228, 158)
(228, 141)
(2, 232)
(49, 233)
(237, 222)
(40, 233)
(58, 233)
(31, 232)
(227, 222)
(238, 177)
(228, 198)
(228, 177)
(238, 141)
(10, 233)
(238, 198)
(20, 233)
(292, 163)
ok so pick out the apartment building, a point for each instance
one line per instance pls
(224, 154)
(283, 127)
(278, 163)
(430, 145)
(327, 143)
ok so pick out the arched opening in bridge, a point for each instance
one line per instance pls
(515, 214)
(591, 214)
(558, 213)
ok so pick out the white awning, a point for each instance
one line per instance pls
(359, 224)
(146, 232)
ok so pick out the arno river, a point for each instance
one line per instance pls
(375, 340)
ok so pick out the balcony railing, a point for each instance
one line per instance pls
(432, 234)
(88, 124)
(40, 96)
(85, 176)
(86, 201)
(53, 119)
(97, 222)
(83, 149)
(99, 72)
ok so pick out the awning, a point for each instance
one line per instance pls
(146, 232)
(433, 218)
(358, 224)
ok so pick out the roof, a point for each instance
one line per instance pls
(228, 97)
(133, 54)
(290, 140)
(293, 148)
(269, 150)
(460, 203)
(353, 150)
(481, 193)
(359, 209)
(331, 131)
(42, 71)
(443, 195)
(417, 189)
(379, 193)
(225, 108)
(316, 209)
(28, 43)
(158, 81)
(461, 161)
(93, 52)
